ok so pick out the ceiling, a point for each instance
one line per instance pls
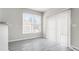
(40, 9)
(44, 9)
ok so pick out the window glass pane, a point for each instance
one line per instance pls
(31, 23)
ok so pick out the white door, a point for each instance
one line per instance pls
(3, 37)
(59, 28)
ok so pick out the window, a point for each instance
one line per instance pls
(31, 23)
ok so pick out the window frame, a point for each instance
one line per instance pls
(31, 24)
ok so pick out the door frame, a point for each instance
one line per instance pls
(69, 45)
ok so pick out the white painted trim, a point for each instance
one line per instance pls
(24, 39)
(74, 48)
(69, 43)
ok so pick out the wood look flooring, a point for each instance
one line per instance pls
(38, 44)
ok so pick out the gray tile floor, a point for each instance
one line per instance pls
(36, 45)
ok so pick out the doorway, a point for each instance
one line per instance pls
(58, 28)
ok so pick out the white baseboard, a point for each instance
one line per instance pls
(74, 48)
(24, 39)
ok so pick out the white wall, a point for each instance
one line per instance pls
(13, 16)
(75, 27)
